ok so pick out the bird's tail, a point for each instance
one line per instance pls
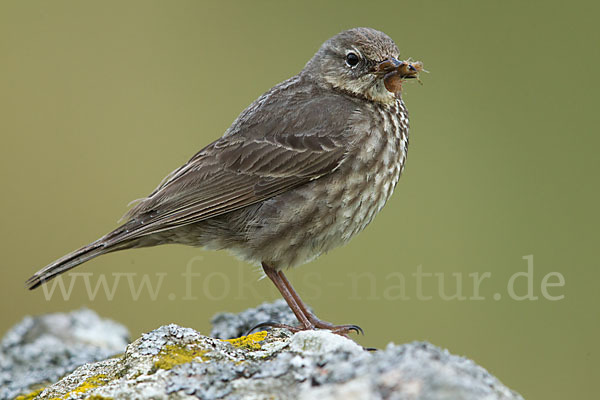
(71, 260)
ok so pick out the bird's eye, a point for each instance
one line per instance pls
(352, 59)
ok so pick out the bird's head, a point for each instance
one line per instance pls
(362, 62)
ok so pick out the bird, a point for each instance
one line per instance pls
(302, 170)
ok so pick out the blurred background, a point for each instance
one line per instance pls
(99, 101)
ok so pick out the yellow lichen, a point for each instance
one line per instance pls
(30, 396)
(90, 383)
(249, 342)
(172, 355)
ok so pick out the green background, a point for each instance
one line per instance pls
(100, 100)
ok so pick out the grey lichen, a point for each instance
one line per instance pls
(39, 350)
(180, 363)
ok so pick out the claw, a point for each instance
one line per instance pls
(357, 329)
(343, 329)
(273, 324)
(261, 325)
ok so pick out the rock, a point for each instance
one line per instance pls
(42, 349)
(229, 325)
(180, 363)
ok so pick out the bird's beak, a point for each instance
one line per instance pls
(402, 69)
(394, 72)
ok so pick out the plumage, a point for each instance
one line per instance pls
(302, 170)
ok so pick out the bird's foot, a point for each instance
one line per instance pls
(342, 330)
(320, 324)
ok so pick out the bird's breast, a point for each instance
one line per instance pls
(374, 170)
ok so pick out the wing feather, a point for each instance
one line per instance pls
(280, 142)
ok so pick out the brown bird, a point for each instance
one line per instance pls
(302, 170)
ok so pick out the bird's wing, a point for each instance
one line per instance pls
(275, 145)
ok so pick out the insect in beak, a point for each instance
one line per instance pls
(395, 71)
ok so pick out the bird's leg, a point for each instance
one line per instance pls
(343, 329)
(289, 298)
(306, 318)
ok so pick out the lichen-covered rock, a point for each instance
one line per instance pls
(40, 350)
(229, 325)
(180, 363)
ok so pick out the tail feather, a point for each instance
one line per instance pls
(75, 258)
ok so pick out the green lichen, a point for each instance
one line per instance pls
(30, 396)
(172, 355)
(98, 397)
(250, 342)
